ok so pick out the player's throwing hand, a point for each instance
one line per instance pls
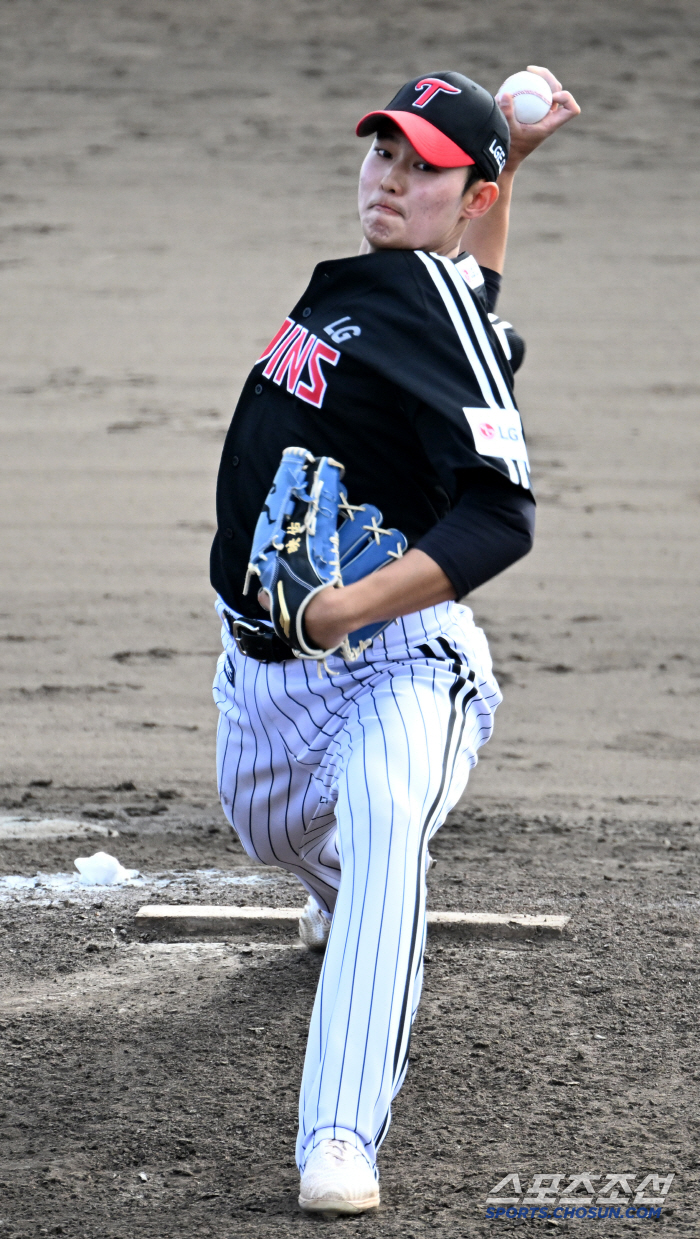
(524, 139)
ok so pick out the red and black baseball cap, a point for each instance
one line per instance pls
(450, 120)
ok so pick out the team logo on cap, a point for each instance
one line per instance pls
(430, 87)
(498, 153)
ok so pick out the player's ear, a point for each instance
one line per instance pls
(479, 199)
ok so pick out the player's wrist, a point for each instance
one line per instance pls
(333, 613)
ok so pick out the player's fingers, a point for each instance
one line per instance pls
(554, 119)
(507, 105)
(564, 108)
(567, 104)
(552, 81)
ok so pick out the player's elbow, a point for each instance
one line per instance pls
(513, 540)
(521, 532)
(516, 542)
(525, 533)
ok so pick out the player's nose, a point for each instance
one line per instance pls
(392, 182)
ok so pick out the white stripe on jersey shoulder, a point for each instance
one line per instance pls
(478, 328)
(524, 474)
(433, 262)
(519, 475)
(500, 327)
(458, 324)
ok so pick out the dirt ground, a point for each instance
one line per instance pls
(170, 173)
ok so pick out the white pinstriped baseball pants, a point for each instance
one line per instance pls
(342, 780)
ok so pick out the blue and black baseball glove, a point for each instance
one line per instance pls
(308, 538)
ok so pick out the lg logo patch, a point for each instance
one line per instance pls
(338, 332)
(498, 153)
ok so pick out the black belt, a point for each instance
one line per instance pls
(257, 640)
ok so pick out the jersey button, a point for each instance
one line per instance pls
(258, 389)
(306, 312)
(235, 461)
(228, 533)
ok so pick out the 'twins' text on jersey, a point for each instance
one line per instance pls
(296, 355)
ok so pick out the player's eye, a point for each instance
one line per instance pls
(422, 166)
(383, 152)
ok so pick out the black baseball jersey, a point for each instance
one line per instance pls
(390, 363)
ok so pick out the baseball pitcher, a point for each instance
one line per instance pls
(374, 474)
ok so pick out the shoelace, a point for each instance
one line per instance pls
(315, 913)
(342, 1151)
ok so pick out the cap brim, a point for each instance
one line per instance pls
(432, 145)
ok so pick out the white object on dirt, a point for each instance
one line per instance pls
(101, 869)
(532, 97)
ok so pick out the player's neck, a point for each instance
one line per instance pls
(449, 250)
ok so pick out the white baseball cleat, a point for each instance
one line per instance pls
(314, 926)
(338, 1179)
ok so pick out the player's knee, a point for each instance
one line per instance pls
(398, 830)
(226, 805)
(246, 842)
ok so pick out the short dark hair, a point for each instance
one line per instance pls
(387, 129)
(474, 174)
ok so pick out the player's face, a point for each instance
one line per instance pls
(407, 203)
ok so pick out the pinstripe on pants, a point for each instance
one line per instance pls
(342, 780)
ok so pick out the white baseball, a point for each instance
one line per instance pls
(532, 97)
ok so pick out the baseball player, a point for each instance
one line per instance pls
(375, 472)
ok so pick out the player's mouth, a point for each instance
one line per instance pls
(385, 208)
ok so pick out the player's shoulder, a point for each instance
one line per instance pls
(380, 269)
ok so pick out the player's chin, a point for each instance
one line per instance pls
(386, 233)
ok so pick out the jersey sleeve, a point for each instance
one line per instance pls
(420, 325)
(492, 287)
(486, 290)
(490, 527)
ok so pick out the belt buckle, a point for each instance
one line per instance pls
(240, 630)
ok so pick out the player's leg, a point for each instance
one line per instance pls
(273, 802)
(403, 763)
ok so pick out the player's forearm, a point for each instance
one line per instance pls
(410, 584)
(487, 237)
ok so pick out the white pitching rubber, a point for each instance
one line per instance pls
(213, 918)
